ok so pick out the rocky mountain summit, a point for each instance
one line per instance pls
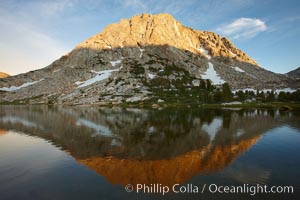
(139, 59)
(162, 29)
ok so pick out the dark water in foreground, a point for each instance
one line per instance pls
(93, 153)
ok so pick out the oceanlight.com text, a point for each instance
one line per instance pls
(210, 188)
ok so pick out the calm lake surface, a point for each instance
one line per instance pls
(93, 153)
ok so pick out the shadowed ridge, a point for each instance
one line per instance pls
(132, 64)
(294, 73)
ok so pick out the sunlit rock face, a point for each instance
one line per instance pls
(162, 29)
(128, 60)
(4, 75)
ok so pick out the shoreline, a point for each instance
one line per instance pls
(278, 105)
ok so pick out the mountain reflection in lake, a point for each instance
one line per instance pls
(134, 146)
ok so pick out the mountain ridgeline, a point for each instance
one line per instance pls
(145, 58)
(294, 73)
(3, 75)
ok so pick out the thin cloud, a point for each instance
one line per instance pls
(25, 48)
(24, 44)
(136, 4)
(55, 7)
(293, 18)
(243, 28)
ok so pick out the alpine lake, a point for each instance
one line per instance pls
(61, 152)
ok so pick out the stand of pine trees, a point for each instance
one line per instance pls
(211, 94)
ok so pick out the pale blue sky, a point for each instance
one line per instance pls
(34, 33)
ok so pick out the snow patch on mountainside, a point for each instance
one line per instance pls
(56, 70)
(142, 51)
(285, 90)
(242, 71)
(14, 88)
(101, 75)
(151, 76)
(277, 91)
(238, 69)
(244, 90)
(114, 63)
(212, 75)
(204, 52)
(251, 75)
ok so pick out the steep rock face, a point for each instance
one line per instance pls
(162, 29)
(137, 60)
